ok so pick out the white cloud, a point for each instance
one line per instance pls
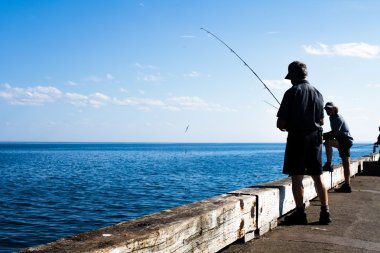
(145, 104)
(98, 79)
(195, 103)
(322, 50)
(31, 95)
(278, 84)
(41, 95)
(361, 50)
(273, 32)
(172, 104)
(374, 85)
(138, 65)
(98, 99)
(95, 100)
(187, 36)
(140, 102)
(109, 77)
(148, 77)
(193, 74)
(141, 66)
(95, 79)
(154, 78)
(76, 99)
(188, 102)
(71, 83)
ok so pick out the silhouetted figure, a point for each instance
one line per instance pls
(376, 144)
(301, 115)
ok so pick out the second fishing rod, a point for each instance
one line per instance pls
(245, 64)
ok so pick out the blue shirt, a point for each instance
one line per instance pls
(338, 124)
(302, 108)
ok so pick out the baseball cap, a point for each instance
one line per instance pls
(296, 69)
(329, 105)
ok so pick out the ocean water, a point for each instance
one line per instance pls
(52, 190)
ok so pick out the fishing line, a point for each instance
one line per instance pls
(245, 64)
(270, 104)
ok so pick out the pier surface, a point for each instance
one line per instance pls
(355, 226)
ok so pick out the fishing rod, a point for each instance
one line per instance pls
(245, 64)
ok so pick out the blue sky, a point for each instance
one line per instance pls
(142, 71)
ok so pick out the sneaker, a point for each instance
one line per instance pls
(296, 218)
(346, 188)
(324, 218)
(327, 167)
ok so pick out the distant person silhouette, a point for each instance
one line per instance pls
(376, 144)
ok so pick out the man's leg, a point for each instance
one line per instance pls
(297, 189)
(299, 216)
(321, 190)
(346, 187)
(344, 153)
(329, 144)
(346, 168)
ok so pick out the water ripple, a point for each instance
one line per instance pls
(48, 191)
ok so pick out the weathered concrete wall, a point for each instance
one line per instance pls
(204, 226)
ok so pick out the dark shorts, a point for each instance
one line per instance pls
(344, 147)
(303, 154)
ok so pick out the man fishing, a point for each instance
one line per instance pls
(377, 143)
(301, 115)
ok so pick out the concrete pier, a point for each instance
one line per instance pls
(355, 223)
(250, 215)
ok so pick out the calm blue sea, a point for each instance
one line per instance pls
(52, 190)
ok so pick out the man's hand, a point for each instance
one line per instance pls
(329, 135)
(326, 136)
(281, 124)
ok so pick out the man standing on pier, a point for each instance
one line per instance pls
(301, 115)
(376, 144)
(339, 137)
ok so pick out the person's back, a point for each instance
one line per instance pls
(338, 124)
(303, 108)
(301, 115)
